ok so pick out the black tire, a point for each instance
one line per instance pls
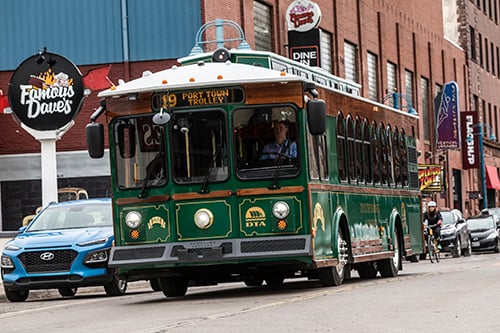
(274, 281)
(430, 249)
(389, 267)
(16, 295)
(117, 286)
(173, 286)
(335, 275)
(67, 292)
(414, 258)
(155, 284)
(367, 270)
(468, 250)
(497, 248)
(457, 252)
(253, 281)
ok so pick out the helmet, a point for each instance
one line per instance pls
(431, 204)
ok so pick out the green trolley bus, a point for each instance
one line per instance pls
(204, 192)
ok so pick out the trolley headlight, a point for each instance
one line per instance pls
(133, 219)
(281, 210)
(203, 218)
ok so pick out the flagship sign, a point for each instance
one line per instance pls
(470, 144)
(46, 92)
(303, 15)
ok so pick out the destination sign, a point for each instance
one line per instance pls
(193, 98)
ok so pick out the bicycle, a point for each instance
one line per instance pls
(431, 241)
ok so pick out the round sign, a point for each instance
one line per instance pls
(303, 15)
(46, 92)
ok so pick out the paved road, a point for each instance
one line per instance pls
(50, 293)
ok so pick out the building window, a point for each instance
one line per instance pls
(263, 26)
(350, 62)
(492, 50)
(480, 37)
(424, 107)
(409, 85)
(391, 79)
(326, 50)
(473, 44)
(486, 54)
(372, 77)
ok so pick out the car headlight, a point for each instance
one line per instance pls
(96, 257)
(94, 242)
(7, 262)
(133, 219)
(447, 231)
(203, 218)
(281, 209)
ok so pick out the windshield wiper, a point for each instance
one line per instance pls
(152, 169)
(204, 185)
(155, 165)
(281, 158)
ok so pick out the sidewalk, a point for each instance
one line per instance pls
(51, 293)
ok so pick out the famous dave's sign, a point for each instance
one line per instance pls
(46, 92)
(303, 15)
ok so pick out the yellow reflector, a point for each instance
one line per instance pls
(134, 234)
(219, 77)
(191, 79)
(164, 82)
(282, 224)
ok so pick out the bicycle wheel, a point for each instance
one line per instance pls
(430, 248)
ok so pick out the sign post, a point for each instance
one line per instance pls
(45, 95)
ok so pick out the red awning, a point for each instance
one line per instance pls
(492, 180)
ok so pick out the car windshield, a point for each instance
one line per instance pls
(448, 218)
(480, 223)
(72, 216)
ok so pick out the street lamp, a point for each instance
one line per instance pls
(396, 98)
(492, 137)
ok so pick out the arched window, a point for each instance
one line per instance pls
(367, 152)
(404, 159)
(351, 160)
(389, 158)
(382, 137)
(375, 142)
(396, 156)
(341, 147)
(358, 150)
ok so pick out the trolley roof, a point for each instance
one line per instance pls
(199, 75)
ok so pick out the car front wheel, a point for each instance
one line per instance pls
(16, 295)
(117, 286)
(457, 252)
(67, 291)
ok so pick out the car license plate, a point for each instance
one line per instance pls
(475, 244)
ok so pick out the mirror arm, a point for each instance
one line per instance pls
(97, 113)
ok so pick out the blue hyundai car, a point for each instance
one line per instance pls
(65, 247)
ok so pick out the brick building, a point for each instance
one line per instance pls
(386, 46)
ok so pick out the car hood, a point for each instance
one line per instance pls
(57, 238)
(447, 226)
(481, 232)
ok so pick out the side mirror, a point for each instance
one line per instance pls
(95, 140)
(316, 116)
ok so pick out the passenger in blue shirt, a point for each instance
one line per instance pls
(281, 146)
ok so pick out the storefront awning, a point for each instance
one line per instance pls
(492, 180)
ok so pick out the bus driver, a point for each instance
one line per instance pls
(281, 146)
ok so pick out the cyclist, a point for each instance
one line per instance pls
(433, 218)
